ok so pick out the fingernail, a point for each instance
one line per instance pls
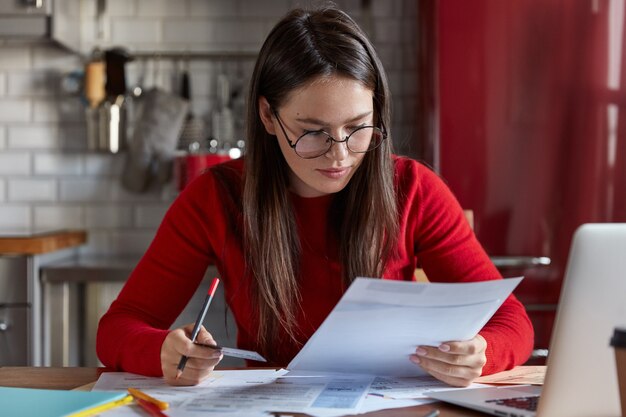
(420, 351)
(444, 348)
(415, 359)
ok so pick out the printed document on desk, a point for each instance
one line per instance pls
(378, 323)
(248, 393)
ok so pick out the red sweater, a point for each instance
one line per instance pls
(197, 232)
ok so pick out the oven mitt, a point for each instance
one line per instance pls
(154, 140)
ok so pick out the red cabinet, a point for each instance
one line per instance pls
(532, 137)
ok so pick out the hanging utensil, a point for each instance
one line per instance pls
(193, 132)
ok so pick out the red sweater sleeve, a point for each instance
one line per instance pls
(449, 251)
(131, 333)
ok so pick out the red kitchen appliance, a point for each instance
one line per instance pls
(188, 167)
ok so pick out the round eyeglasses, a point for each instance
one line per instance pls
(313, 144)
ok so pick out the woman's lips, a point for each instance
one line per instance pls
(334, 173)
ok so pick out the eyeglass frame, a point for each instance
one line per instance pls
(293, 145)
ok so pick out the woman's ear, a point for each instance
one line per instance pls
(265, 112)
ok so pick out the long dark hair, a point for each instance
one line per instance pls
(303, 46)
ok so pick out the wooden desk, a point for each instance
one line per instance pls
(70, 378)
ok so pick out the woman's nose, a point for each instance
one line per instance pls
(338, 151)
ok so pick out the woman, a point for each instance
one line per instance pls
(318, 201)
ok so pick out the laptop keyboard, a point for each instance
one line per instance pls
(523, 403)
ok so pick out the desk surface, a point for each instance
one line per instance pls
(70, 378)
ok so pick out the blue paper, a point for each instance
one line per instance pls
(28, 402)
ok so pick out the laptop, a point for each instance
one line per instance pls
(581, 379)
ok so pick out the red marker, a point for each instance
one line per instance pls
(199, 320)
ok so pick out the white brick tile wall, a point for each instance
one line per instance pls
(202, 83)
(47, 176)
(122, 8)
(23, 190)
(409, 8)
(267, 8)
(409, 109)
(15, 217)
(130, 243)
(150, 216)
(103, 165)
(409, 59)
(202, 107)
(97, 243)
(33, 83)
(108, 216)
(33, 137)
(213, 8)
(352, 7)
(388, 58)
(12, 57)
(73, 136)
(387, 8)
(58, 164)
(88, 9)
(86, 189)
(140, 31)
(409, 83)
(181, 30)
(387, 31)
(12, 163)
(120, 194)
(15, 110)
(51, 56)
(56, 217)
(215, 34)
(395, 82)
(253, 35)
(89, 33)
(160, 8)
(66, 109)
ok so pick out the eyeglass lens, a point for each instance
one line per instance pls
(317, 143)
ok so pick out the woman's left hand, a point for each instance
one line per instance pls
(455, 363)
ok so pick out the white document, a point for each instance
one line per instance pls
(247, 392)
(397, 392)
(378, 323)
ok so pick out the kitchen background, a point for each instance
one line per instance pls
(48, 179)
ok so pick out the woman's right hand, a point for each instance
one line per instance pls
(201, 360)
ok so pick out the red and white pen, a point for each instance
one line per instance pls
(199, 320)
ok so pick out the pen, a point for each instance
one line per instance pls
(100, 408)
(216, 347)
(433, 413)
(377, 394)
(150, 408)
(199, 320)
(138, 394)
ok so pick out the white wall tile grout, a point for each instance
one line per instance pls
(3, 137)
